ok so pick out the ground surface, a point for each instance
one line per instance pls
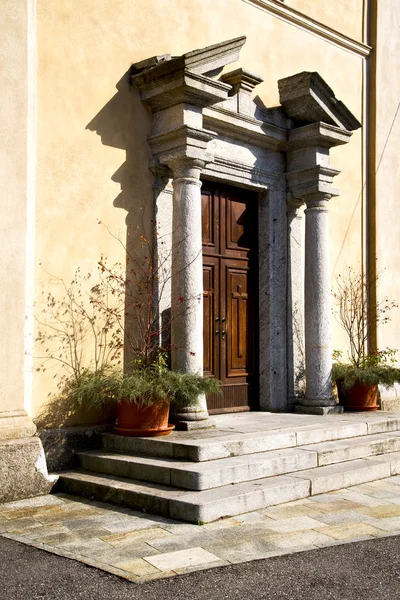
(142, 547)
(367, 570)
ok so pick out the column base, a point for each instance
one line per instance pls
(319, 410)
(23, 471)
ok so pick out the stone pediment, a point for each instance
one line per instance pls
(307, 98)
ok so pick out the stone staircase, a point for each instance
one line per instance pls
(250, 461)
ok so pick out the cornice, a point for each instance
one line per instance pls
(299, 20)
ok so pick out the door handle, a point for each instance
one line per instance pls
(223, 333)
(216, 331)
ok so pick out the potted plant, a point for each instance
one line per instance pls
(107, 341)
(142, 396)
(357, 378)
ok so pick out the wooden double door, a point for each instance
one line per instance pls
(230, 235)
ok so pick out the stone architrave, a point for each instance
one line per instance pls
(188, 104)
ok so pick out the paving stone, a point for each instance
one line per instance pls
(43, 531)
(60, 539)
(151, 533)
(222, 524)
(137, 567)
(391, 524)
(46, 500)
(294, 524)
(382, 511)
(349, 531)
(33, 512)
(238, 535)
(244, 552)
(175, 543)
(334, 505)
(301, 539)
(352, 495)
(90, 533)
(186, 570)
(287, 512)
(351, 516)
(20, 525)
(181, 559)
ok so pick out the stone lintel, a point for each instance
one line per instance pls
(182, 143)
(307, 98)
(308, 182)
(242, 127)
(317, 134)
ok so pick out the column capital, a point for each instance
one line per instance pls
(310, 182)
(184, 150)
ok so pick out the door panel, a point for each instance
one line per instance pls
(238, 352)
(210, 308)
(230, 290)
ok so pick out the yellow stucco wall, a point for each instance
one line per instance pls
(13, 181)
(387, 166)
(341, 15)
(92, 155)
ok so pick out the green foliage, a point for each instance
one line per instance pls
(143, 387)
(356, 319)
(87, 329)
(375, 368)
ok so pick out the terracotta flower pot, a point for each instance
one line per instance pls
(360, 397)
(143, 421)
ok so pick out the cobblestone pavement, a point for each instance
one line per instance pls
(142, 547)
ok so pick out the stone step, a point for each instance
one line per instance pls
(229, 500)
(343, 475)
(216, 444)
(393, 458)
(200, 476)
(350, 449)
(195, 507)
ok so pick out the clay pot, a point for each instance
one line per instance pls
(360, 397)
(144, 421)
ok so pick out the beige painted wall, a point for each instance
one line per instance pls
(92, 160)
(13, 178)
(341, 15)
(388, 172)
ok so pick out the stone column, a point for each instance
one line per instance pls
(318, 334)
(187, 276)
(295, 304)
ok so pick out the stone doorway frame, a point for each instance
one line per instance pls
(209, 127)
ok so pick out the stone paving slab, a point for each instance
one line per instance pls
(142, 547)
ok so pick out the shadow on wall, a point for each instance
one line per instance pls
(125, 123)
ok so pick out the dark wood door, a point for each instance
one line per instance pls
(229, 222)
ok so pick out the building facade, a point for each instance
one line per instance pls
(225, 123)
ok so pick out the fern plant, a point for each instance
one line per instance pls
(142, 387)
